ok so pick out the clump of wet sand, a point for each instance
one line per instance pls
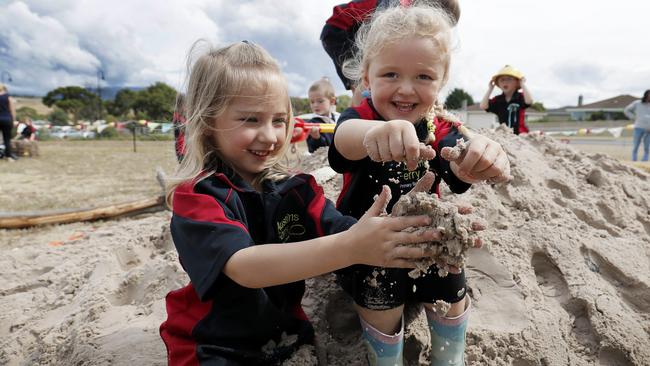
(458, 232)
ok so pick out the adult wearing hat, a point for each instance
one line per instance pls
(509, 106)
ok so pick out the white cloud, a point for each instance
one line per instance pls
(565, 48)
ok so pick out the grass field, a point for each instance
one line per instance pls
(80, 174)
(84, 174)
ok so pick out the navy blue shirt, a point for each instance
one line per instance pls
(511, 113)
(5, 111)
(363, 179)
(214, 219)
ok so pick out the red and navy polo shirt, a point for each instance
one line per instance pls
(338, 34)
(363, 179)
(512, 113)
(214, 320)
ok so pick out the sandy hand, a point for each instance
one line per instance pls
(386, 241)
(478, 159)
(456, 230)
(396, 140)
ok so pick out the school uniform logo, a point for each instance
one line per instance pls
(290, 227)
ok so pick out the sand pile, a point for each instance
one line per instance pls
(563, 277)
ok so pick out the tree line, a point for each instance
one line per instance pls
(75, 103)
(156, 102)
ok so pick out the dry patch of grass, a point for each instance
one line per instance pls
(82, 174)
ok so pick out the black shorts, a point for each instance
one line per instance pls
(378, 288)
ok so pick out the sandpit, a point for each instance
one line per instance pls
(563, 277)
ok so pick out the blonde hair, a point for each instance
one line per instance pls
(397, 23)
(218, 76)
(324, 86)
(3, 87)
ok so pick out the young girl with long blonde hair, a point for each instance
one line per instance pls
(393, 138)
(247, 232)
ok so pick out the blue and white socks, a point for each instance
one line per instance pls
(383, 349)
(448, 337)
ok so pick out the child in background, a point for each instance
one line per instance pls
(178, 122)
(247, 233)
(26, 138)
(509, 106)
(322, 100)
(338, 34)
(393, 138)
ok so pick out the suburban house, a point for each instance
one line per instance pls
(607, 109)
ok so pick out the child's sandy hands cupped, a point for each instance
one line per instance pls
(379, 240)
(483, 159)
(424, 185)
(397, 140)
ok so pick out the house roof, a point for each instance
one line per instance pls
(617, 103)
(477, 108)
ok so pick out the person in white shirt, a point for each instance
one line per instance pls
(639, 111)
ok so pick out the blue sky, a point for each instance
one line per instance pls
(595, 48)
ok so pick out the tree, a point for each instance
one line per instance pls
(300, 106)
(156, 102)
(28, 112)
(538, 106)
(58, 117)
(343, 102)
(74, 100)
(123, 103)
(455, 99)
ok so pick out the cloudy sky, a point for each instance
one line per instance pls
(596, 48)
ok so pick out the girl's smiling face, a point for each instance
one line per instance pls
(251, 131)
(404, 79)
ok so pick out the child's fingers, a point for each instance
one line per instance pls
(411, 148)
(384, 150)
(465, 209)
(452, 269)
(411, 252)
(372, 148)
(396, 148)
(487, 159)
(379, 206)
(472, 155)
(425, 183)
(451, 154)
(478, 225)
(405, 238)
(405, 222)
(499, 171)
(426, 152)
(478, 243)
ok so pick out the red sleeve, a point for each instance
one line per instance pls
(346, 16)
